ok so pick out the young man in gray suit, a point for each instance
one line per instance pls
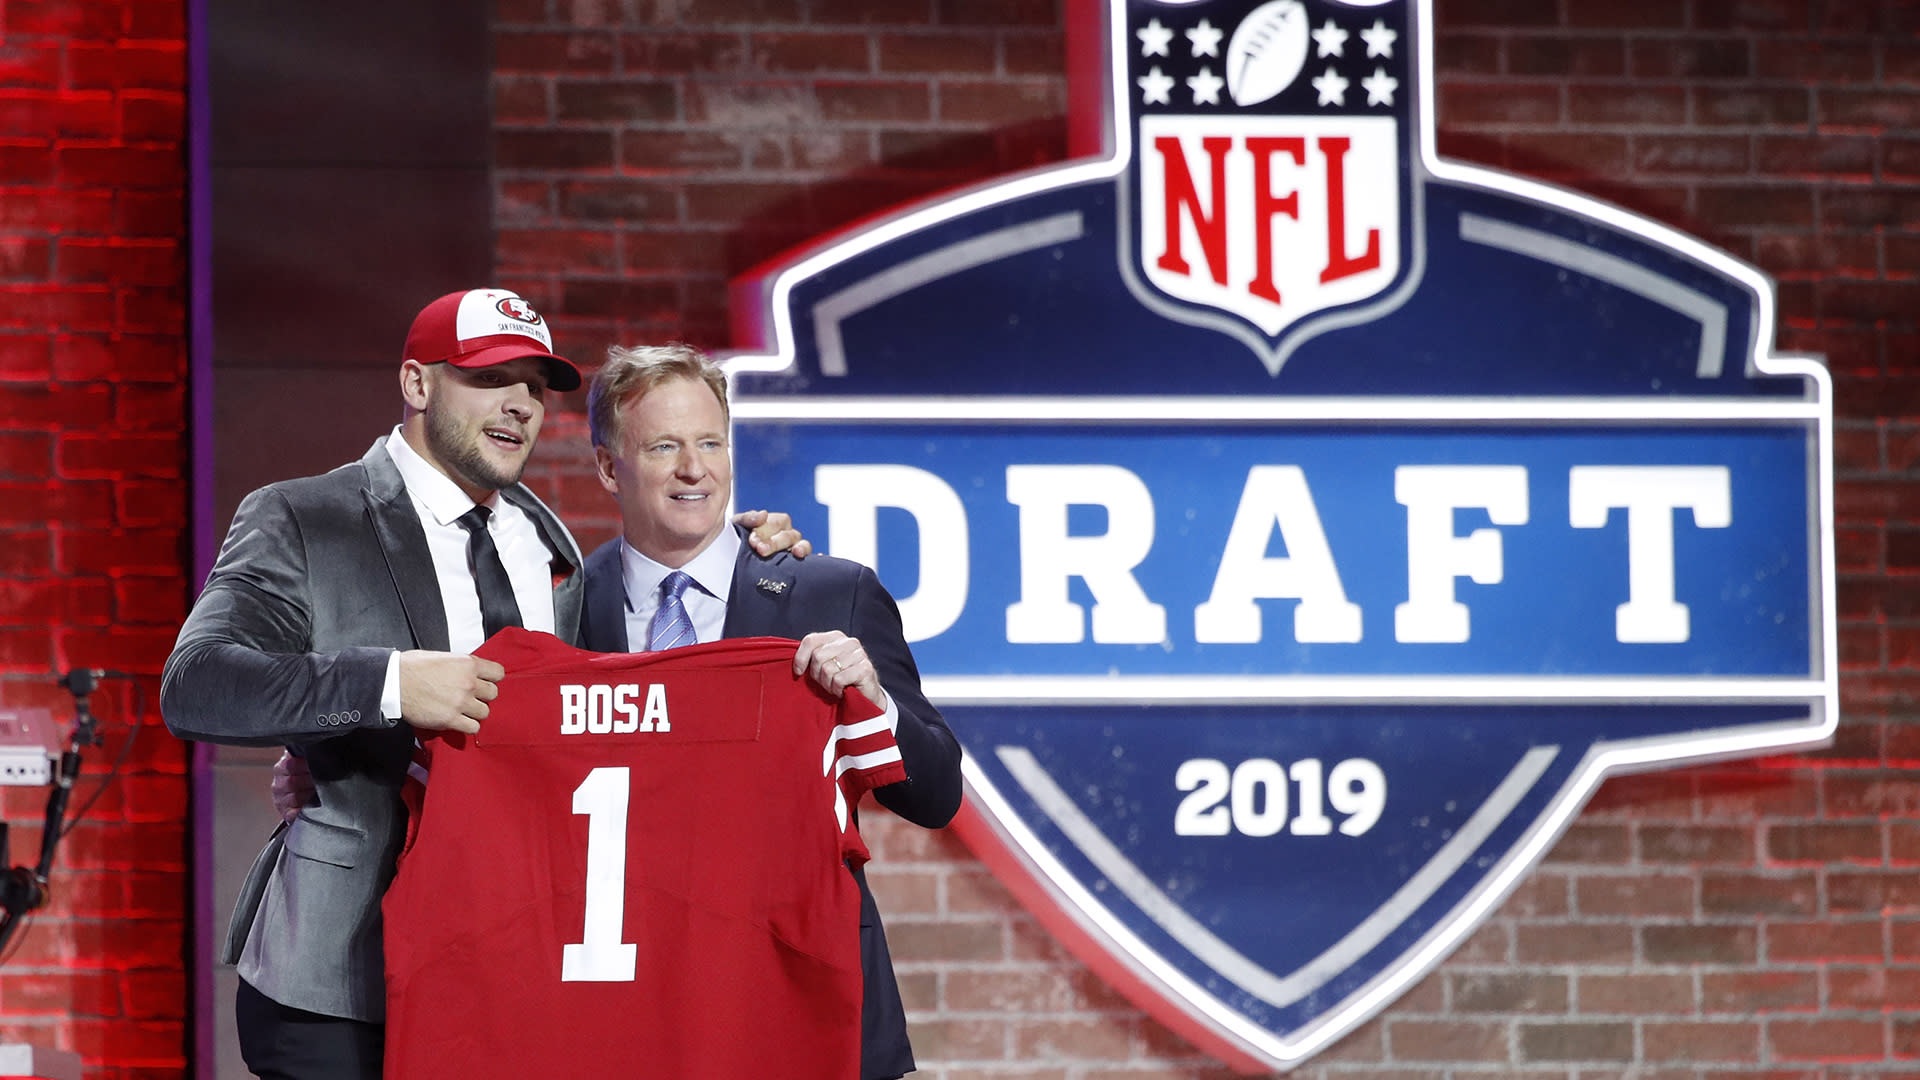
(337, 621)
(659, 420)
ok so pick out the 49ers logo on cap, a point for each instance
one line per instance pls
(513, 307)
(1269, 181)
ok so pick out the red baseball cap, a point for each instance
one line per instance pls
(482, 327)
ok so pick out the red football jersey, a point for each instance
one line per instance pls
(637, 868)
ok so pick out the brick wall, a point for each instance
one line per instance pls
(93, 508)
(1750, 918)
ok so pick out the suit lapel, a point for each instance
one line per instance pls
(568, 588)
(604, 618)
(758, 603)
(404, 543)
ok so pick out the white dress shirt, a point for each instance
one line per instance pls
(440, 504)
(705, 599)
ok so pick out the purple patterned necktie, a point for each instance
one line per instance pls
(671, 625)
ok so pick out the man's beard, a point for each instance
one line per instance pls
(462, 455)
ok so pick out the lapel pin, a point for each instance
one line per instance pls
(773, 587)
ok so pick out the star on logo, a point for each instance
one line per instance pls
(1380, 87)
(1154, 87)
(1379, 39)
(1154, 38)
(1206, 87)
(1331, 39)
(1333, 88)
(1205, 38)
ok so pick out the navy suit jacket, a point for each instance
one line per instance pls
(783, 596)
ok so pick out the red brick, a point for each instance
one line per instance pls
(1747, 793)
(26, 164)
(1032, 53)
(621, 102)
(870, 102)
(63, 993)
(521, 250)
(150, 213)
(1828, 1040)
(995, 12)
(521, 102)
(620, 200)
(810, 53)
(160, 600)
(1690, 154)
(24, 258)
(1699, 943)
(113, 455)
(674, 53)
(1771, 206)
(1691, 58)
(1751, 106)
(1635, 105)
(1508, 993)
(30, 64)
(1500, 13)
(26, 553)
(1601, 994)
(1574, 943)
(922, 942)
(1499, 104)
(122, 166)
(1861, 648)
(1592, 844)
(1000, 102)
(70, 600)
(1869, 301)
(1696, 844)
(1812, 61)
(1689, 1041)
(1750, 14)
(1598, 895)
(1830, 939)
(139, 504)
(1457, 54)
(155, 995)
(545, 53)
(1579, 57)
(1448, 1040)
(153, 262)
(1748, 992)
(1824, 843)
(1872, 109)
(158, 117)
(1865, 892)
(1873, 988)
(26, 455)
(39, 115)
(150, 66)
(26, 357)
(1823, 156)
(661, 152)
(949, 52)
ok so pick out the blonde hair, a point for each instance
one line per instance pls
(631, 373)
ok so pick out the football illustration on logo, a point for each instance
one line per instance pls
(515, 308)
(1267, 52)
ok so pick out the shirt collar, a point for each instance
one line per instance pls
(430, 487)
(712, 569)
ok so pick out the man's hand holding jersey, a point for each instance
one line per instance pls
(836, 662)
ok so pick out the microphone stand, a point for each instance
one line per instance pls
(22, 889)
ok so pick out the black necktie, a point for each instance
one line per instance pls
(497, 607)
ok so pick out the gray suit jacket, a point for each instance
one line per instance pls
(319, 580)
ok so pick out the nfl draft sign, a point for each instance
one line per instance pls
(1297, 527)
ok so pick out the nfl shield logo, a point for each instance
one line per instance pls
(1271, 150)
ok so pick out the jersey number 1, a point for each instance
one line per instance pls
(600, 955)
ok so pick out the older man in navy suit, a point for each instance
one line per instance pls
(680, 573)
